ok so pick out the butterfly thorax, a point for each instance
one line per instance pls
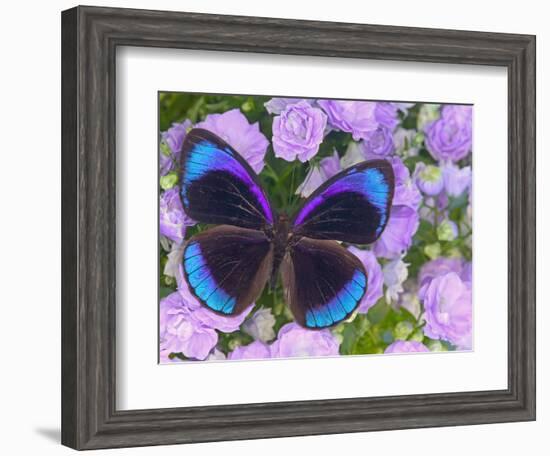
(280, 238)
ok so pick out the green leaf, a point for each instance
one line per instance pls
(165, 291)
(168, 181)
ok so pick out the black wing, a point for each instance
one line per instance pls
(353, 206)
(218, 186)
(324, 283)
(227, 267)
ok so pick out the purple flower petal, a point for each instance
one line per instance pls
(378, 143)
(173, 138)
(375, 278)
(255, 350)
(397, 236)
(247, 139)
(448, 310)
(181, 332)
(298, 131)
(450, 137)
(331, 165)
(386, 115)
(295, 341)
(278, 105)
(406, 346)
(457, 180)
(428, 178)
(355, 117)
(173, 220)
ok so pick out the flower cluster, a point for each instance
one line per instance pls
(419, 290)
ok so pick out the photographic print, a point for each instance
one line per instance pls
(302, 227)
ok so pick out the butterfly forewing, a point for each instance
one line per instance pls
(218, 186)
(324, 283)
(352, 206)
(226, 267)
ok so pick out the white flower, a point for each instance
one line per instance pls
(427, 113)
(404, 143)
(353, 155)
(395, 273)
(314, 178)
(409, 300)
(216, 355)
(175, 258)
(260, 326)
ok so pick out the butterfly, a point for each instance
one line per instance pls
(227, 267)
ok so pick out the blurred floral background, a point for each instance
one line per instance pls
(419, 295)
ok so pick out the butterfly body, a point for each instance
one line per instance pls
(281, 241)
(227, 267)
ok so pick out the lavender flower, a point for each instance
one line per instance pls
(428, 178)
(466, 273)
(406, 193)
(386, 115)
(378, 143)
(355, 117)
(278, 105)
(173, 138)
(374, 278)
(406, 346)
(298, 131)
(457, 180)
(255, 350)
(397, 236)
(295, 341)
(180, 332)
(448, 310)
(260, 325)
(403, 221)
(331, 165)
(442, 266)
(245, 138)
(173, 219)
(165, 161)
(450, 137)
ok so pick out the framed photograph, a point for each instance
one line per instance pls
(279, 228)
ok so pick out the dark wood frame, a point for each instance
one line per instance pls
(89, 39)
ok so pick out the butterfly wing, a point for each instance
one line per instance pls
(218, 186)
(353, 206)
(324, 283)
(226, 267)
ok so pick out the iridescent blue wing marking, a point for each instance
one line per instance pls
(218, 186)
(324, 283)
(353, 206)
(226, 267)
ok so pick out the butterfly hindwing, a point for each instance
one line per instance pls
(324, 282)
(218, 186)
(226, 267)
(353, 206)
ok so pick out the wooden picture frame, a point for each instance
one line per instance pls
(90, 37)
